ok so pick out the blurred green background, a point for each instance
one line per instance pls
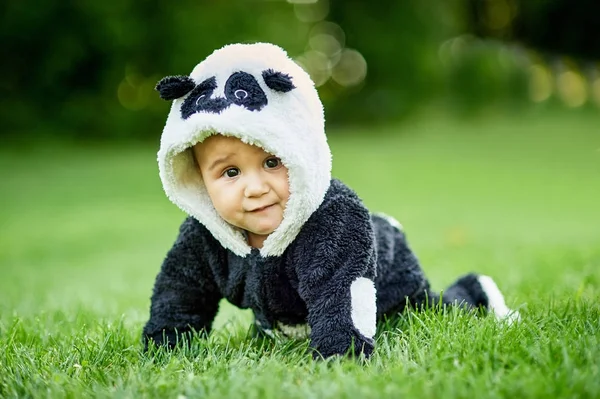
(473, 122)
(86, 69)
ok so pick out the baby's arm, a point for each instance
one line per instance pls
(335, 264)
(185, 297)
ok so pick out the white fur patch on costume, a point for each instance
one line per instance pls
(364, 306)
(391, 220)
(496, 301)
(300, 331)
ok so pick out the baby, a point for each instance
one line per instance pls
(244, 153)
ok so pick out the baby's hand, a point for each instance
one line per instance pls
(343, 343)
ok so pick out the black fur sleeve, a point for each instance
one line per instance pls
(185, 297)
(334, 250)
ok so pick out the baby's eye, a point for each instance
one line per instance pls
(231, 172)
(272, 163)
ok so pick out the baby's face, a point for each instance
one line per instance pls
(248, 187)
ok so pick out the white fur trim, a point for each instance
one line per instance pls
(391, 220)
(291, 127)
(269, 333)
(364, 306)
(496, 301)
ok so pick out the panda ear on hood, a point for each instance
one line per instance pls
(172, 87)
(278, 81)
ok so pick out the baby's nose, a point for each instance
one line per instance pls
(255, 186)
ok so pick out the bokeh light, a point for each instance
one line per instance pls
(499, 14)
(317, 65)
(328, 45)
(571, 88)
(311, 11)
(331, 29)
(596, 91)
(326, 56)
(351, 69)
(540, 83)
(135, 92)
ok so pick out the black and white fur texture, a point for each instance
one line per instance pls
(331, 270)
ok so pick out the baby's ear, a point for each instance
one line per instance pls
(173, 87)
(278, 81)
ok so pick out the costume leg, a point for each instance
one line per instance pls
(470, 292)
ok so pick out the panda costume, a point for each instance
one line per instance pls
(331, 269)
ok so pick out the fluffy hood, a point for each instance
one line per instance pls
(256, 93)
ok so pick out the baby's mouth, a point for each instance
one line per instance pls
(262, 208)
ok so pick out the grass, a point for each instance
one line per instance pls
(85, 227)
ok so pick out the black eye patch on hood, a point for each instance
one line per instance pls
(243, 89)
(240, 89)
(200, 100)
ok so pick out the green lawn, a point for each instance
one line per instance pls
(83, 230)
